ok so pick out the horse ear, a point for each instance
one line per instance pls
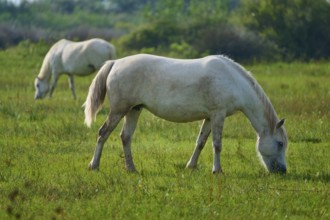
(280, 123)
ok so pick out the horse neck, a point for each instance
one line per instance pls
(45, 71)
(260, 111)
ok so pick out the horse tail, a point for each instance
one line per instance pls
(96, 93)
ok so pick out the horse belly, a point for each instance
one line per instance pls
(179, 115)
(178, 110)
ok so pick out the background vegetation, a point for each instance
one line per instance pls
(244, 30)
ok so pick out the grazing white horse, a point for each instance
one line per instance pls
(72, 58)
(208, 89)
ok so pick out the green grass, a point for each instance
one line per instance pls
(45, 149)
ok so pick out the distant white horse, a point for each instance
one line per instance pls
(71, 58)
(208, 89)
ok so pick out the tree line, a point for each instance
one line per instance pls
(244, 30)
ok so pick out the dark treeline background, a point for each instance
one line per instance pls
(249, 30)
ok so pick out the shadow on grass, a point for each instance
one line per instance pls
(318, 177)
(290, 176)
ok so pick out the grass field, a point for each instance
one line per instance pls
(45, 149)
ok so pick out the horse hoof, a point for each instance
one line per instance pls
(131, 169)
(216, 172)
(132, 172)
(93, 168)
(191, 166)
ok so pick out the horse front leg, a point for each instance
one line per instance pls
(200, 143)
(126, 136)
(54, 82)
(217, 127)
(104, 132)
(71, 85)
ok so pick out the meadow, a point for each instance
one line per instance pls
(45, 149)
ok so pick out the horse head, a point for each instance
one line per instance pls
(42, 87)
(271, 148)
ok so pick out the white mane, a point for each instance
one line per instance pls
(269, 110)
(45, 71)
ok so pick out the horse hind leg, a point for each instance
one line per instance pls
(200, 143)
(71, 85)
(126, 136)
(104, 132)
(217, 127)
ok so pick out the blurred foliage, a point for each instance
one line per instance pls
(246, 31)
(301, 28)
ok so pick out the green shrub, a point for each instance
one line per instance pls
(299, 27)
(157, 34)
(198, 38)
(233, 41)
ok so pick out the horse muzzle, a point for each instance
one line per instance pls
(39, 96)
(277, 167)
